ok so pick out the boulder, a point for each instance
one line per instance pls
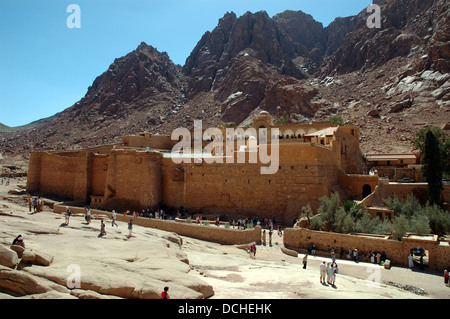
(18, 249)
(8, 257)
(28, 256)
(43, 259)
(19, 282)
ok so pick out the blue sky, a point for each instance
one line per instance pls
(47, 67)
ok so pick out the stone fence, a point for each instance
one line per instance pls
(397, 251)
(221, 235)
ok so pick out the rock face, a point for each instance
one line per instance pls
(8, 257)
(286, 64)
(77, 263)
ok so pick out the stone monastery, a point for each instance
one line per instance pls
(143, 171)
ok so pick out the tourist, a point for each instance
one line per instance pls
(270, 237)
(446, 276)
(88, 215)
(313, 250)
(253, 251)
(40, 204)
(305, 261)
(165, 294)
(323, 271)
(280, 232)
(378, 258)
(335, 272)
(355, 255)
(383, 256)
(114, 217)
(19, 241)
(67, 215)
(410, 260)
(333, 256)
(350, 253)
(102, 228)
(130, 228)
(330, 271)
(372, 257)
(35, 205)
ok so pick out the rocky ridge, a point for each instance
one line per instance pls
(390, 81)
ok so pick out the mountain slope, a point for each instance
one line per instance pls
(390, 81)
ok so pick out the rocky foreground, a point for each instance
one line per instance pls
(75, 262)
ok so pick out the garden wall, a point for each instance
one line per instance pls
(396, 251)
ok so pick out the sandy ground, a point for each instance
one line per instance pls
(272, 274)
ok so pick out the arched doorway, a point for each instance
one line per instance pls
(366, 191)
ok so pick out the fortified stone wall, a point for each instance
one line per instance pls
(133, 180)
(305, 173)
(143, 140)
(98, 168)
(63, 176)
(224, 236)
(397, 251)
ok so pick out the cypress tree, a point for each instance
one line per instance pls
(432, 167)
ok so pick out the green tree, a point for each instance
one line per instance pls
(408, 208)
(329, 210)
(432, 167)
(336, 119)
(443, 142)
(400, 226)
(439, 219)
(307, 213)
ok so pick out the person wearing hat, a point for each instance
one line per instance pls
(19, 241)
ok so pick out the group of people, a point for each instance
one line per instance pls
(328, 272)
(35, 204)
(4, 181)
(88, 218)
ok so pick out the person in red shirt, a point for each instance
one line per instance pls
(446, 277)
(165, 294)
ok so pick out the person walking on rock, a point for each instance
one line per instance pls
(102, 228)
(68, 214)
(305, 261)
(114, 217)
(446, 277)
(130, 228)
(88, 215)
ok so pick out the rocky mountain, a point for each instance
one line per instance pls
(390, 80)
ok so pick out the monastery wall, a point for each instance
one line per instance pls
(62, 176)
(305, 173)
(133, 180)
(172, 183)
(98, 169)
(397, 251)
(143, 140)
